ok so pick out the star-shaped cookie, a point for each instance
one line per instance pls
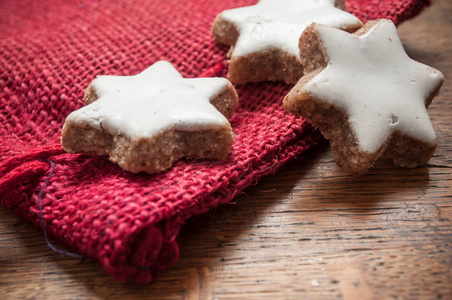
(148, 121)
(366, 96)
(265, 36)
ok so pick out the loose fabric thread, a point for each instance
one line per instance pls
(41, 216)
(41, 221)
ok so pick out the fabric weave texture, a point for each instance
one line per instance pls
(129, 223)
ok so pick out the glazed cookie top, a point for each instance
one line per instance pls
(279, 23)
(373, 80)
(151, 102)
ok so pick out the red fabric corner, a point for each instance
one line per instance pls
(52, 49)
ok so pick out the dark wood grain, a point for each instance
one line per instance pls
(307, 232)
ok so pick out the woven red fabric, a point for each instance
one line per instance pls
(52, 49)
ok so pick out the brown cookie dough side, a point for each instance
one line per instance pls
(340, 4)
(90, 95)
(79, 138)
(158, 154)
(408, 152)
(224, 32)
(149, 155)
(270, 65)
(334, 125)
(312, 54)
(226, 101)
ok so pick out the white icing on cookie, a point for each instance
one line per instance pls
(374, 81)
(279, 24)
(153, 101)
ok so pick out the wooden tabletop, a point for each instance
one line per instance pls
(308, 232)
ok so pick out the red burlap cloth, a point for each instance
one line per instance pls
(52, 49)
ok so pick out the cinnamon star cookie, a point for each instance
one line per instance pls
(265, 36)
(366, 96)
(148, 121)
